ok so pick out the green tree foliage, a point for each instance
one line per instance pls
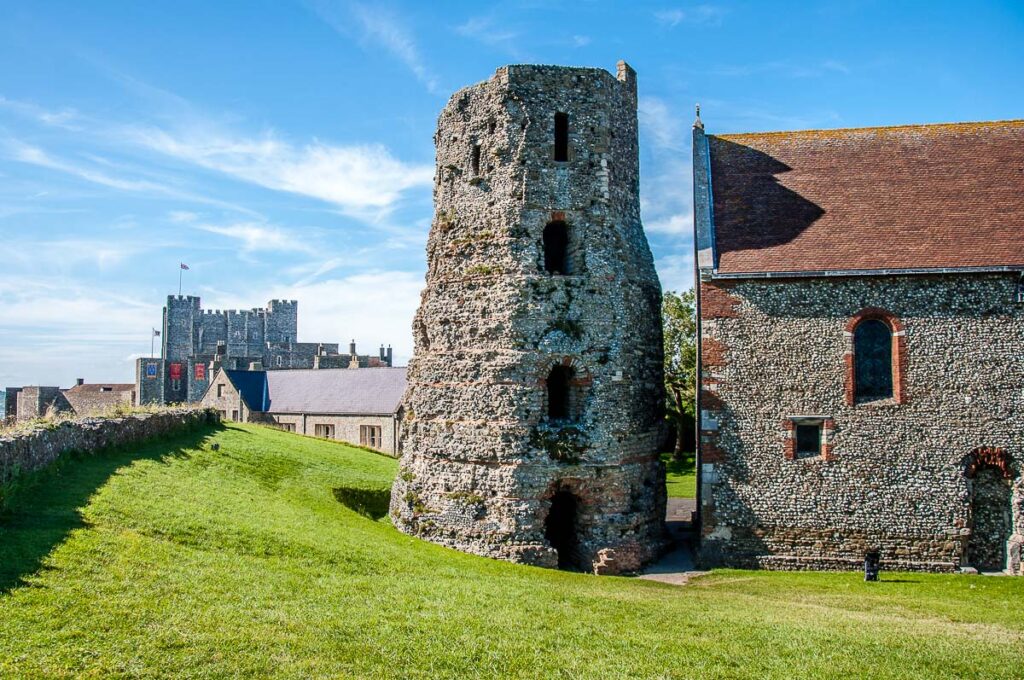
(680, 329)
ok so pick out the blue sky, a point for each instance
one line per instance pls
(283, 149)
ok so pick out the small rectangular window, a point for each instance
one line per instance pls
(476, 159)
(561, 136)
(370, 435)
(808, 440)
(234, 415)
(220, 390)
(324, 430)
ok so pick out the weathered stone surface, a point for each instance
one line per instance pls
(483, 455)
(896, 475)
(27, 451)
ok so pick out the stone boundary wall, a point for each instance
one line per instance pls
(29, 451)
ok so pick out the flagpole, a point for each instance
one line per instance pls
(152, 334)
(180, 270)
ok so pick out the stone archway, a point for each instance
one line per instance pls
(988, 470)
(562, 528)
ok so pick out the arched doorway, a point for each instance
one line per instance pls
(561, 529)
(991, 509)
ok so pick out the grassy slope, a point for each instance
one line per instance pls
(181, 560)
(680, 476)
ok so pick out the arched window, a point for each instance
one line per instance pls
(561, 136)
(876, 358)
(872, 360)
(560, 393)
(556, 248)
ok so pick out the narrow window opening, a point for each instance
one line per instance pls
(808, 440)
(561, 136)
(872, 354)
(559, 394)
(561, 531)
(476, 159)
(556, 248)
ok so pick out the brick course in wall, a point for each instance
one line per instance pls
(894, 475)
(482, 463)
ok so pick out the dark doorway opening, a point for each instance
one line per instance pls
(561, 530)
(559, 396)
(556, 248)
(561, 136)
(991, 520)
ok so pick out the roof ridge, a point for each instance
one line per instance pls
(1012, 122)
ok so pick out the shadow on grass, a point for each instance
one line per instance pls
(369, 502)
(47, 504)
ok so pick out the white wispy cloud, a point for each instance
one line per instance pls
(488, 31)
(664, 128)
(379, 27)
(34, 155)
(673, 225)
(253, 237)
(699, 14)
(365, 181)
(63, 118)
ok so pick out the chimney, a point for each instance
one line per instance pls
(352, 348)
(383, 356)
(389, 356)
(80, 381)
(256, 366)
(316, 361)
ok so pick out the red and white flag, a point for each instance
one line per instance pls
(183, 265)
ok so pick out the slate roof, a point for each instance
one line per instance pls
(251, 386)
(363, 391)
(99, 387)
(917, 197)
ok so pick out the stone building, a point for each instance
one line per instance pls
(861, 326)
(534, 406)
(359, 407)
(84, 399)
(194, 343)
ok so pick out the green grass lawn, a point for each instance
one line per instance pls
(172, 559)
(680, 477)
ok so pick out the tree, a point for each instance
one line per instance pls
(678, 319)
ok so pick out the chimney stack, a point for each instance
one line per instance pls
(80, 381)
(352, 348)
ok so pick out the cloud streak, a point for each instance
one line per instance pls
(364, 181)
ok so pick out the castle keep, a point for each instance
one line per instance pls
(195, 342)
(861, 321)
(534, 405)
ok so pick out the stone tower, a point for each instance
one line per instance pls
(534, 406)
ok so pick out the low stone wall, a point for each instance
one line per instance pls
(29, 451)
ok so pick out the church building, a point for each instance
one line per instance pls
(861, 347)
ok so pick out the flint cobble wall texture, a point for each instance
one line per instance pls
(896, 477)
(481, 460)
(25, 452)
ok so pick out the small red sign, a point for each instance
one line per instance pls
(175, 371)
(200, 371)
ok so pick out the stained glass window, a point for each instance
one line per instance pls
(872, 356)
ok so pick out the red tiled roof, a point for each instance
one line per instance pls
(911, 197)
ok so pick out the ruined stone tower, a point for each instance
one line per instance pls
(533, 412)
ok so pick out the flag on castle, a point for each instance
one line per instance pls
(156, 333)
(183, 265)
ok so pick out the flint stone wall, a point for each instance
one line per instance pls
(895, 475)
(481, 462)
(29, 451)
